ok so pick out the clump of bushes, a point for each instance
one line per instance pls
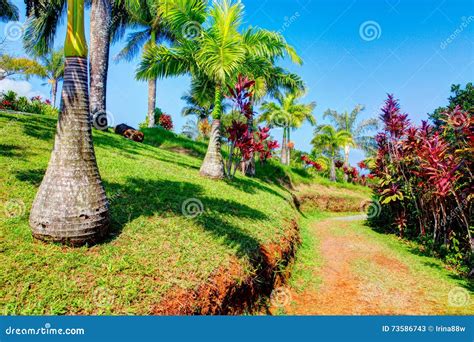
(161, 120)
(425, 181)
(35, 105)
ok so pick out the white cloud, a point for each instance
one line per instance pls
(22, 88)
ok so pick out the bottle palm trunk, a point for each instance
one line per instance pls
(213, 164)
(100, 21)
(70, 206)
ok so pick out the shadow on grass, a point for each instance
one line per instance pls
(12, 151)
(251, 186)
(139, 197)
(33, 177)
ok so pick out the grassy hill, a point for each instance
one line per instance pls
(155, 252)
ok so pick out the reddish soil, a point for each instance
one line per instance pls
(359, 278)
(231, 291)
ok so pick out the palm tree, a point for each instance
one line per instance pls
(329, 140)
(197, 106)
(106, 19)
(218, 54)
(8, 11)
(19, 66)
(53, 70)
(150, 18)
(348, 122)
(288, 114)
(70, 206)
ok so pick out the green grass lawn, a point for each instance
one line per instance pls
(152, 248)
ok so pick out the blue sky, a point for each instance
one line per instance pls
(354, 52)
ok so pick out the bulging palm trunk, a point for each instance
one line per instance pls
(213, 164)
(151, 102)
(100, 19)
(70, 206)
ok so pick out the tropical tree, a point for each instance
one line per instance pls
(8, 11)
(19, 66)
(150, 19)
(289, 114)
(218, 53)
(70, 206)
(107, 18)
(348, 122)
(200, 108)
(329, 141)
(53, 70)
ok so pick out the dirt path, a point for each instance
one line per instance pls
(359, 275)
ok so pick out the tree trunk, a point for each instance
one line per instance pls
(346, 160)
(70, 206)
(333, 170)
(249, 165)
(213, 165)
(100, 23)
(151, 102)
(288, 150)
(284, 154)
(54, 90)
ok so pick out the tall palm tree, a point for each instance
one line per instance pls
(70, 206)
(53, 70)
(348, 122)
(106, 19)
(218, 53)
(329, 140)
(8, 11)
(289, 114)
(151, 19)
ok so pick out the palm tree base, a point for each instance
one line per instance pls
(213, 164)
(70, 206)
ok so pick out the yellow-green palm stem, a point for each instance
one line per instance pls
(217, 112)
(75, 45)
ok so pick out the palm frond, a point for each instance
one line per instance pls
(42, 24)
(8, 11)
(135, 41)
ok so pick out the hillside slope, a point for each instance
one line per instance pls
(157, 255)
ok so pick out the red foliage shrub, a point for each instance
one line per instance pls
(166, 122)
(425, 177)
